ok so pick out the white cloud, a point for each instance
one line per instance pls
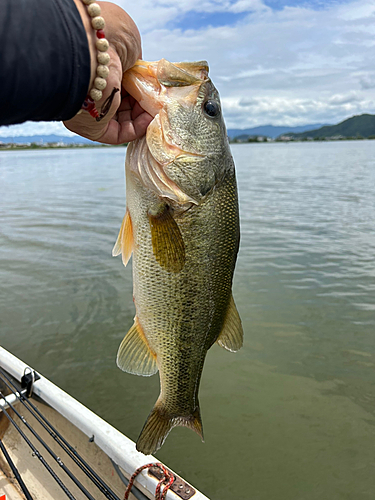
(339, 99)
(150, 15)
(367, 81)
(292, 111)
(299, 65)
(36, 128)
(354, 11)
(156, 14)
(291, 66)
(247, 5)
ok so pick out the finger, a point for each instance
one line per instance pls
(129, 109)
(127, 103)
(119, 132)
(137, 110)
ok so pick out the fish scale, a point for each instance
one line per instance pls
(184, 255)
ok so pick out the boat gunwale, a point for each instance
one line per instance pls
(119, 448)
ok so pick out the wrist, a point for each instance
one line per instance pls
(91, 40)
(99, 46)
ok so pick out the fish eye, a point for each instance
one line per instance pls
(211, 108)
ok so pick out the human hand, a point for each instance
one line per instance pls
(126, 120)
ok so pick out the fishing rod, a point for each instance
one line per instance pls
(63, 443)
(34, 450)
(17, 475)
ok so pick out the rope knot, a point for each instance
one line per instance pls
(167, 479)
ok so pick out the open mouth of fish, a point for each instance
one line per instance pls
(155, 84)
(160, 87)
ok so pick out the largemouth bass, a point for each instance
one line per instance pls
(182, 226)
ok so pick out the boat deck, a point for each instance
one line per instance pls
(38, 480)
(110, 454)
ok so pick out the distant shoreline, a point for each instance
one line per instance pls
(38, 147)
(287, 140)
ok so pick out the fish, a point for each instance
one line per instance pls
(182, 227)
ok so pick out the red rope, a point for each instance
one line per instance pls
(167, 480)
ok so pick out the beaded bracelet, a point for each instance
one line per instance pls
(103, 58)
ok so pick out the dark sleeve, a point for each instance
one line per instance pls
(44, 60)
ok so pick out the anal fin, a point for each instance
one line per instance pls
(167, 242)
(231, 335)
(125, 241)
(134, 354)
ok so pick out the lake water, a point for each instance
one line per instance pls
(289, 417)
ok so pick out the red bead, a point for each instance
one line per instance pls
(94, 113)
(100, 34)
(89, 105)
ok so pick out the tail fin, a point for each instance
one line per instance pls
(159, 424)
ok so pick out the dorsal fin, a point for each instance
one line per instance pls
(125, 241)
(134, 354)
(231, 335)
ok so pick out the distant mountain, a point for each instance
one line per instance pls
(362, 125)
(270, 130)
(43, 139)
(356, 126)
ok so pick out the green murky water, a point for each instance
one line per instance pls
(292, 415)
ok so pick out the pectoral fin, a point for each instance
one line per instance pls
(125, 241)
(231, 336)
(167, 242)
(134, 354)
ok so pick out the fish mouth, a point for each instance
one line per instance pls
(154, 84)
(160, 87)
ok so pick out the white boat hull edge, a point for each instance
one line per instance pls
(115, 445)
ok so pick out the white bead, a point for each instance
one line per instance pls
(103, 58)
(98, 23)
(96, 94)
(102, 70)
(100, 83)
(87, 2)
(102, 44)
(94, 9)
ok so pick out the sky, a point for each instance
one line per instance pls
(279, 62)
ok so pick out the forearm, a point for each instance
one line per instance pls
(45, 61)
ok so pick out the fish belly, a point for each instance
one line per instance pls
(181, 313)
